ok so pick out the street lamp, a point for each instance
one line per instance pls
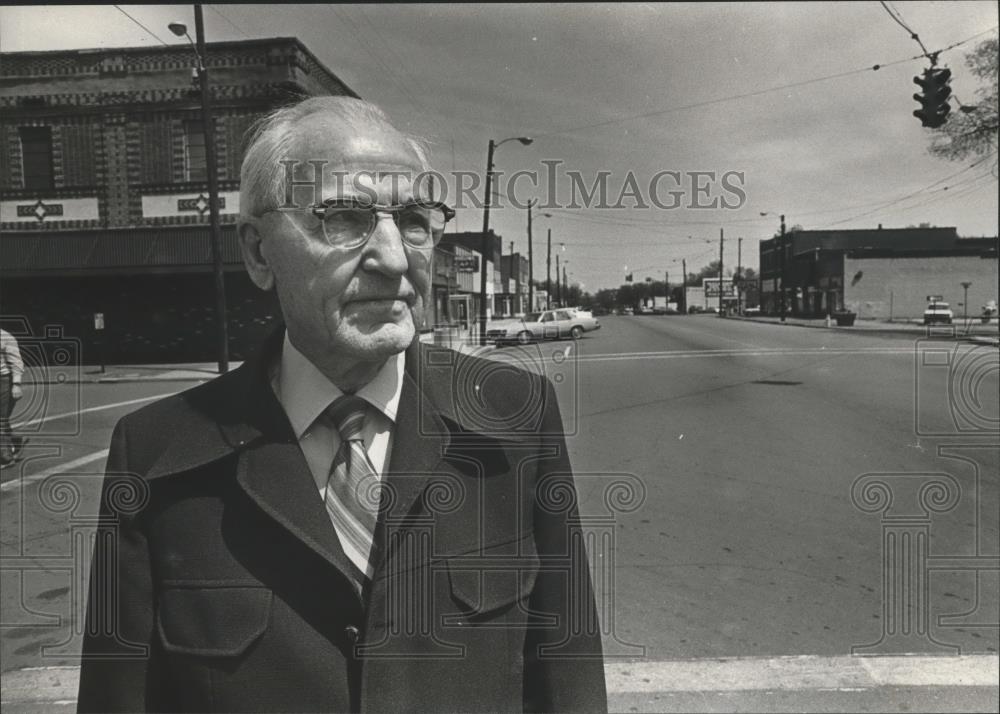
(965, 305)
(211, 172)
(484, 244)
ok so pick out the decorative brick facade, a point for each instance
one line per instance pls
(120, 209)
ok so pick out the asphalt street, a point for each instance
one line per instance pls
(746, 486)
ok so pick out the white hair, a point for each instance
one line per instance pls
(262, 176)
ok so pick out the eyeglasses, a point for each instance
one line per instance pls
(349, 223)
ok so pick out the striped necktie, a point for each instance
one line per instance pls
(352, 493)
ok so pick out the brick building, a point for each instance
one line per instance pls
(880, 273)
(463, 298)
(103, 193)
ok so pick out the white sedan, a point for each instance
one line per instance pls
(546, 325)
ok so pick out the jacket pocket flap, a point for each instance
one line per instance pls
(212, 622)
(487, 583)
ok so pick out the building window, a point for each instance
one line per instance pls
(36, 156)
(194, 152)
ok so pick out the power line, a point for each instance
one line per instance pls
(893, 202)
(913, 35)
(759, 92)
(231, 23)
(153, 34)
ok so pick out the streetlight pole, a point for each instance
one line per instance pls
(558, 284)
(484, 243)
(684, 288)
(531, 258)
(211, 172)
(965, 305)
(548, 273)
(738, 282)
(782, 267)
(722, 241)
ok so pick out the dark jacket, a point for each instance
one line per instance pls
(219, 584)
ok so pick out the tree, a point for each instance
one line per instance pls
(972, 131)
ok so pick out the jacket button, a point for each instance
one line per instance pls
(351, 633)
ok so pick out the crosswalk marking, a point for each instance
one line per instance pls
(807, 673)
(17, 483)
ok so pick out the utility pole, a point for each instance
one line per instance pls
(531, 259)
(738, 282)
(558, 284)
(484, 243)
(782, 267)
(666, 288)
(684, 295)
(211, 171)
(722, 241)
(517, 280)
(565, 292)
(548, 273)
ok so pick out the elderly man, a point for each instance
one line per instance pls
(351, 521)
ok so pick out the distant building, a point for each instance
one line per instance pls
(104, 206)
(514, 281)
(463, 306)
(880, 273)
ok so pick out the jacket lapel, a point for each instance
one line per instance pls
(271, 468)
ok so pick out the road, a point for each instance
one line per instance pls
(748, 438)
(740, 442)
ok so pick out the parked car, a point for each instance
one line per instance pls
(938, 312)
(752, 311)
(628, 311)
(545, 325)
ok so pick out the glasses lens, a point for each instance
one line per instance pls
(420, 226)
(347, 226)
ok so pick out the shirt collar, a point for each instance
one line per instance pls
(305, 392)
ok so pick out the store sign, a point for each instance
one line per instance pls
(712, 289)
(467, 265)
(200, 204)
(42, 211)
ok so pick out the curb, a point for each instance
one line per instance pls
(173, 373)
(916, 330)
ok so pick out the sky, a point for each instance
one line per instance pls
(628, 92)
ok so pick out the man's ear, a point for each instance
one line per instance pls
(253, 257)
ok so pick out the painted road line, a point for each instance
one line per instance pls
(808, 673)
(140, 400)
(699, 354)
(16, 483)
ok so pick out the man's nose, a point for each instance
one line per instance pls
(384, 250)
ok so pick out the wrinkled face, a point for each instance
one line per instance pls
(360, 304)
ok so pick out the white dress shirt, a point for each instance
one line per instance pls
(305, 393)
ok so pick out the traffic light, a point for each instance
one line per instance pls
(934, 106)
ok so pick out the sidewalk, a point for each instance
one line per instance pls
(183, 372)
(974, 332)
(730, 684)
